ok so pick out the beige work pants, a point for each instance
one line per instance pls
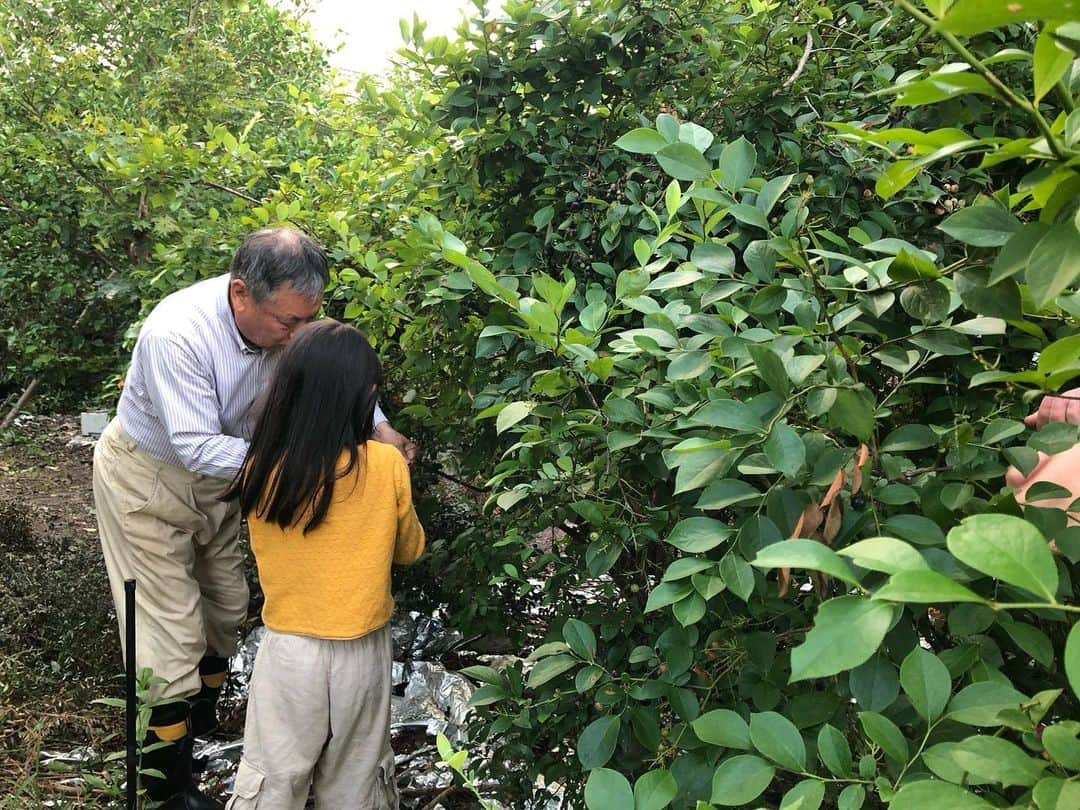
(318, 715)
(164, 527)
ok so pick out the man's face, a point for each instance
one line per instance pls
(270, 323)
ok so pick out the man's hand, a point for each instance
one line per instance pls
(1063, 408)
(385, 433)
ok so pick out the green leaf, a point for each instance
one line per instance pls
(1053, 793)
(932, 793)
(853, 413)
(513, 413)
(983, 225)
(668, 126)
(654, 790)
(926, 682)
(875, 684)
(925, 300)
(689, 365)
(940, 86)
(484, 674)
(713, 257)
(1030, 639)
(910, 437)
(667, 593)
(741, 779)
(1054, 263)
(925, 587)
(1061, 743)
(980, 703)
(885, 554)
(1014, 256)
(1072, 658)
(549, 668)
(785, 450)
(1006, 548)
(806, 795)
(883, 732)
(915, 529)
(686, 567)
(689, 610)
(597, 742)
(580, 637)
(805, 554)
(988, 759)
(777, 738)
(847, 631)
(737, 575)
(770, 368)
(1000, 301)
(896, 177)
(725, 493)
(701, 467)
(1051, 62)
(608, 790)
(683, 162)
(851, 798)
(834, 750)
(488, 694)
(736, 164)
(642, 141)
(697, 534)
(976, 16)
(1000, 429)
(723, 727)
(730, 414)
(771, 192)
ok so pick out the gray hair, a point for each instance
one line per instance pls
(280, 257)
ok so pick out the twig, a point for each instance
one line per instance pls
(459, 482)
(802, 62)
(233, 191)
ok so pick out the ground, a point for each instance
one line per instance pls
(57, 631)
(59, 649)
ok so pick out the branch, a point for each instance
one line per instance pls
(1007, 94)
(802, 62)
(232, 191)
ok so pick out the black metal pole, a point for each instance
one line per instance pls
(129, 626)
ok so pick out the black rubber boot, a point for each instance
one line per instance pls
(213, 671)
(173, 786)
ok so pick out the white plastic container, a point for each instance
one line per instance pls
(93, 423)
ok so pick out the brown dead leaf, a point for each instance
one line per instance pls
(834, 487)
(783, 580)
(833, 520)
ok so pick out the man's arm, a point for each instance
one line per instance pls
(385, 433)
(186, 402)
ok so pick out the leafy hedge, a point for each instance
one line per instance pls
(732, 310)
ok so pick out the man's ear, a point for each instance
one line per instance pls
(239, 292)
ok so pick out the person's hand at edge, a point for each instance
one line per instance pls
(386, 434)
(1062, 408)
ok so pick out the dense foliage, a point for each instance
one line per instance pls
(732, 311)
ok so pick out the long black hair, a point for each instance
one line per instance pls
(320, 402)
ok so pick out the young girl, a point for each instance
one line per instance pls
(328, 512)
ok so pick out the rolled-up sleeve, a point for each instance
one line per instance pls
(183, 395)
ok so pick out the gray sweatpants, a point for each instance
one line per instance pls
(318, 715)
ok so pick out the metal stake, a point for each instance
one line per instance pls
(129, 626)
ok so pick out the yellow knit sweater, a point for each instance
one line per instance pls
(334, 582)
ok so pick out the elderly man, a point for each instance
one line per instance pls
(180, 435)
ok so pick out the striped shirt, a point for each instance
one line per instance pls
(189, 394)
